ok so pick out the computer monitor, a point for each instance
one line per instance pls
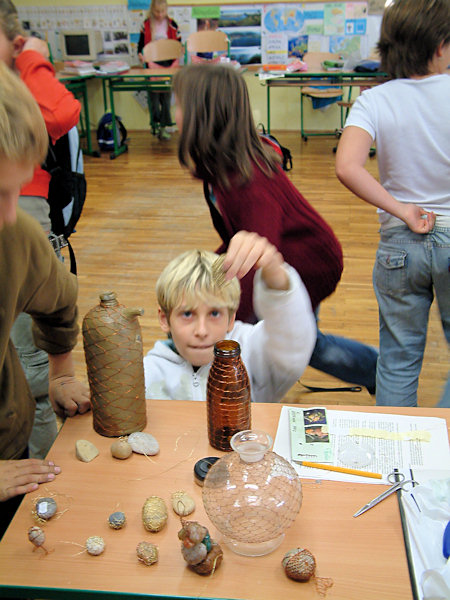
(81, 45)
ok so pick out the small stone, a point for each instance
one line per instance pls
(147, 553)
(95, 545)
(121, 449)
(194, 555)
(143, 443)
(117, 520)
(36, 536)
(182, 503)
(212, 561)
(45, 508)
(85, 451)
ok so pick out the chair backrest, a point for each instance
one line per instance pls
(160, 50)
(208, 41)
(314, 60)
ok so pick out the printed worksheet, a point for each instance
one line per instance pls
(374, 442)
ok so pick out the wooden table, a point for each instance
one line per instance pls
(365, 557)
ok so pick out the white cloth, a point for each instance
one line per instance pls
(409, 120)
(426, 529)
(275, 351)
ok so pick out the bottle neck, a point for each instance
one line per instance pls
(227, 349)
(108, 299)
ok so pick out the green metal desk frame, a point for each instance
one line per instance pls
(77, 84)
(334, 79)
(142, 80)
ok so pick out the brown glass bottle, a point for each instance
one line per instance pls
(114, 358)
(227, 395)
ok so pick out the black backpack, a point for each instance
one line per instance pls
(105, 136)
(67, 188)
(284, 152)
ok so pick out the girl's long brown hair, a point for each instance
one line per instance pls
(218, 140)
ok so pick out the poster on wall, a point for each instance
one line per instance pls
(242, 24)
(258, 33)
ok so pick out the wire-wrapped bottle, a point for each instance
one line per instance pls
(114, 358)
(227, 395)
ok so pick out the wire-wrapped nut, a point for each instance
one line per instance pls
(147, 553)
(299, 564)
(154, 514)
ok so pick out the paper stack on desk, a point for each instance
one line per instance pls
(79, 67)
(395, 441)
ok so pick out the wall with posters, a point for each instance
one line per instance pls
(259, 33)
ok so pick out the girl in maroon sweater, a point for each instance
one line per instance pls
(246, 189)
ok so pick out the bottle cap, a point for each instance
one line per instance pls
(105, 296)
(202, 467)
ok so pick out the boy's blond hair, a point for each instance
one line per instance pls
(9, 20)
(23, 136)
(188, 280)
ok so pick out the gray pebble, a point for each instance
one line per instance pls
(117, 520)
(45, 508)
(143, 443)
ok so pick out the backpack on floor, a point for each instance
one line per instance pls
(105, 136)
(67, 188)
(284, 152)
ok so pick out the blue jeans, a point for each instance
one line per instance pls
(345, 359)
(410, 270)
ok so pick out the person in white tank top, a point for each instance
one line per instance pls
(408, 118)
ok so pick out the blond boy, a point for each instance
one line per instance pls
(196, 312)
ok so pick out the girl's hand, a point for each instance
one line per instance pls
(34, 43)
(247, 250)
(418, 219)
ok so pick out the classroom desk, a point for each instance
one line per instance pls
(365, 557)
(136, 79)
(316, 79)
(77, 84)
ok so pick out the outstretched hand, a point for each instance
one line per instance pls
(247, 250)
(68, 396)
(418, 219)
(24, 476)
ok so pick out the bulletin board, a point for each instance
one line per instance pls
(259, 33)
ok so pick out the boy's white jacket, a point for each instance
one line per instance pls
(275, 351)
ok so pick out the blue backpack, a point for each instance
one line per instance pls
(105, 137)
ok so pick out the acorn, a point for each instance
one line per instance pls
(299, 564)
